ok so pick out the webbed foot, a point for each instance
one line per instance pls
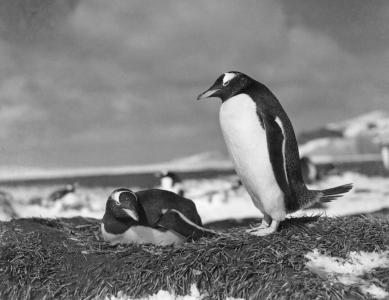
(264, 229)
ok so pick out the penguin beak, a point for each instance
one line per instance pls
(118, 211)
(131, 213)
(207, 94)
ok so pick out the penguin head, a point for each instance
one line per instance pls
(123, 204)
(168, 178)
(70, 187)
(227, 85)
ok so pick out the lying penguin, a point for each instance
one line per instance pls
(151, 216)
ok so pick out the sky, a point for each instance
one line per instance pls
(107, 83)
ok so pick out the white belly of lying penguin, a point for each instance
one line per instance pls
(246, 142)
(142, 235)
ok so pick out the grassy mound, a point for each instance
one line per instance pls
(65, 259)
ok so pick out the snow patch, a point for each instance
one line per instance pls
(348, 271)
(370, 122)
(370, 194)
(165, 295)
(309, 147)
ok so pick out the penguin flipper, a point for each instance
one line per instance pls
(276, 147)
(173, 220)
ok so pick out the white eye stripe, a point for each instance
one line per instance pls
(116, 195)
(227, 77)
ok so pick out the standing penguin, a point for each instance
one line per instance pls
(170, 181)
(263, 146)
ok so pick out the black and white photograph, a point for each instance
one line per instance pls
(194, 150)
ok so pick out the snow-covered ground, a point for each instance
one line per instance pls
(213, 197)
(350, 271)
(165, 295)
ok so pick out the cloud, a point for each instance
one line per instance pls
(110, 73)
(26, 21)
(16, 114)
(360, 28)
(9, 115)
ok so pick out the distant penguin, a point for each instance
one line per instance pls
(311, 173)
(262, 144)
(222, 195)
(7, 211)
(309, 170)
(236, 184)
(170, 181)
(151, 216)
(60, 193)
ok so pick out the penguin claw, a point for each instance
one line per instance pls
(264, 228)
(259, 227)
(261, 231)
(254, 229)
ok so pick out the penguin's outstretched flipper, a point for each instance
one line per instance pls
(175, 221)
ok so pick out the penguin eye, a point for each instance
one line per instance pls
(226, 83)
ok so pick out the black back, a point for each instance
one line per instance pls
(154, 201)
(268, 109)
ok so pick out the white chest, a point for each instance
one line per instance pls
(244, 136)
(166, 183)
(246, 142)
(142, 235)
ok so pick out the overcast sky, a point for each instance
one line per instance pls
(97, 82)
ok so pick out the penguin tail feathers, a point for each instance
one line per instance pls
(328, 195)
(209, 232)
(204, 232)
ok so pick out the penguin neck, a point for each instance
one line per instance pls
(265, 100)
(114, 225)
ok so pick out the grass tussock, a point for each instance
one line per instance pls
(65, 259)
